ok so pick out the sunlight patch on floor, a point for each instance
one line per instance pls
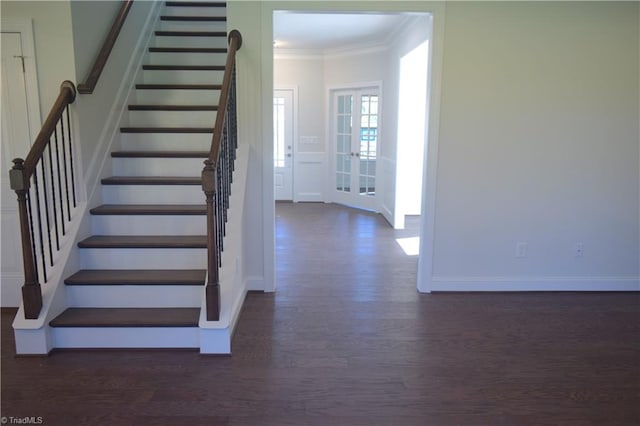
(411, 245)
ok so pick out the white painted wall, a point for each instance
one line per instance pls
(53, 44)
(539, 144)
(91, 21)
(536, 140)
(307, 74)
(255, 122)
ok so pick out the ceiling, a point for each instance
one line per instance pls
(333, 31)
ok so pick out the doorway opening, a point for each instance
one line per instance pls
(412, 108)
(333, 62)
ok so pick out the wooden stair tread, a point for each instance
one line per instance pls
(141, 107)
(194, 18)
(150, 209)
(159, 154)
(183, 67)
(144, 241)
(152, 180)
(196, 4)
(127, 317)
(188, 49)
(191, 33)
(178, 86)
(138, 277)
(166, 129)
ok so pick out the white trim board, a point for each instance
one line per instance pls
(520, 284)
(430, 176)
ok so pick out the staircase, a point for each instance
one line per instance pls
(143, 269)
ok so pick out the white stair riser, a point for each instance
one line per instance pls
(125, 337)
(173, 58)
(172, 118)
(189, 41)
(193, 25)
(166, 141)
(157, 166)
(149, 224)
(177, 97)
(182, 77)
(152, 194)
(194, 11)
(134, 296)
(138, 258)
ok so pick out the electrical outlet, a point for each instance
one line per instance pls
(579, 250)
(521, 250)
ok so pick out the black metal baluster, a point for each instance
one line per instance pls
(62, 222)
(33, 240)
(73, 178)
(218, 231)
(233, 112)
(46, 208)
(39, 216)
(227, 165)
(223, 172)
(53, 195)
(66, 176)
(228, 154)
(219, 205)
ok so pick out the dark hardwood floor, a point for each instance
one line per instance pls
(347, 340)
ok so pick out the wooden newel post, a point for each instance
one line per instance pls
(31, 292)
(212, 287)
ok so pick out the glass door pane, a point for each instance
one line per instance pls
(343, 126)
(368, 144)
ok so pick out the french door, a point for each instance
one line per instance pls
(356, 114)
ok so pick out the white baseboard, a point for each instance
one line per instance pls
(255, 283)
(482, 284)
(309, 197)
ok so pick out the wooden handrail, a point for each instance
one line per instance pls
(217, 176)
(235, 43)
(90, 84)
(67, 96)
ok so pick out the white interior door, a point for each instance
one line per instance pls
(283, 144)
(15, 142)
(356, 114)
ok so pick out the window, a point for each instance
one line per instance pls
(278, 133)
(369, 127)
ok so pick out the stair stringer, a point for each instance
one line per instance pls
(36, 337)
(215, 336)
